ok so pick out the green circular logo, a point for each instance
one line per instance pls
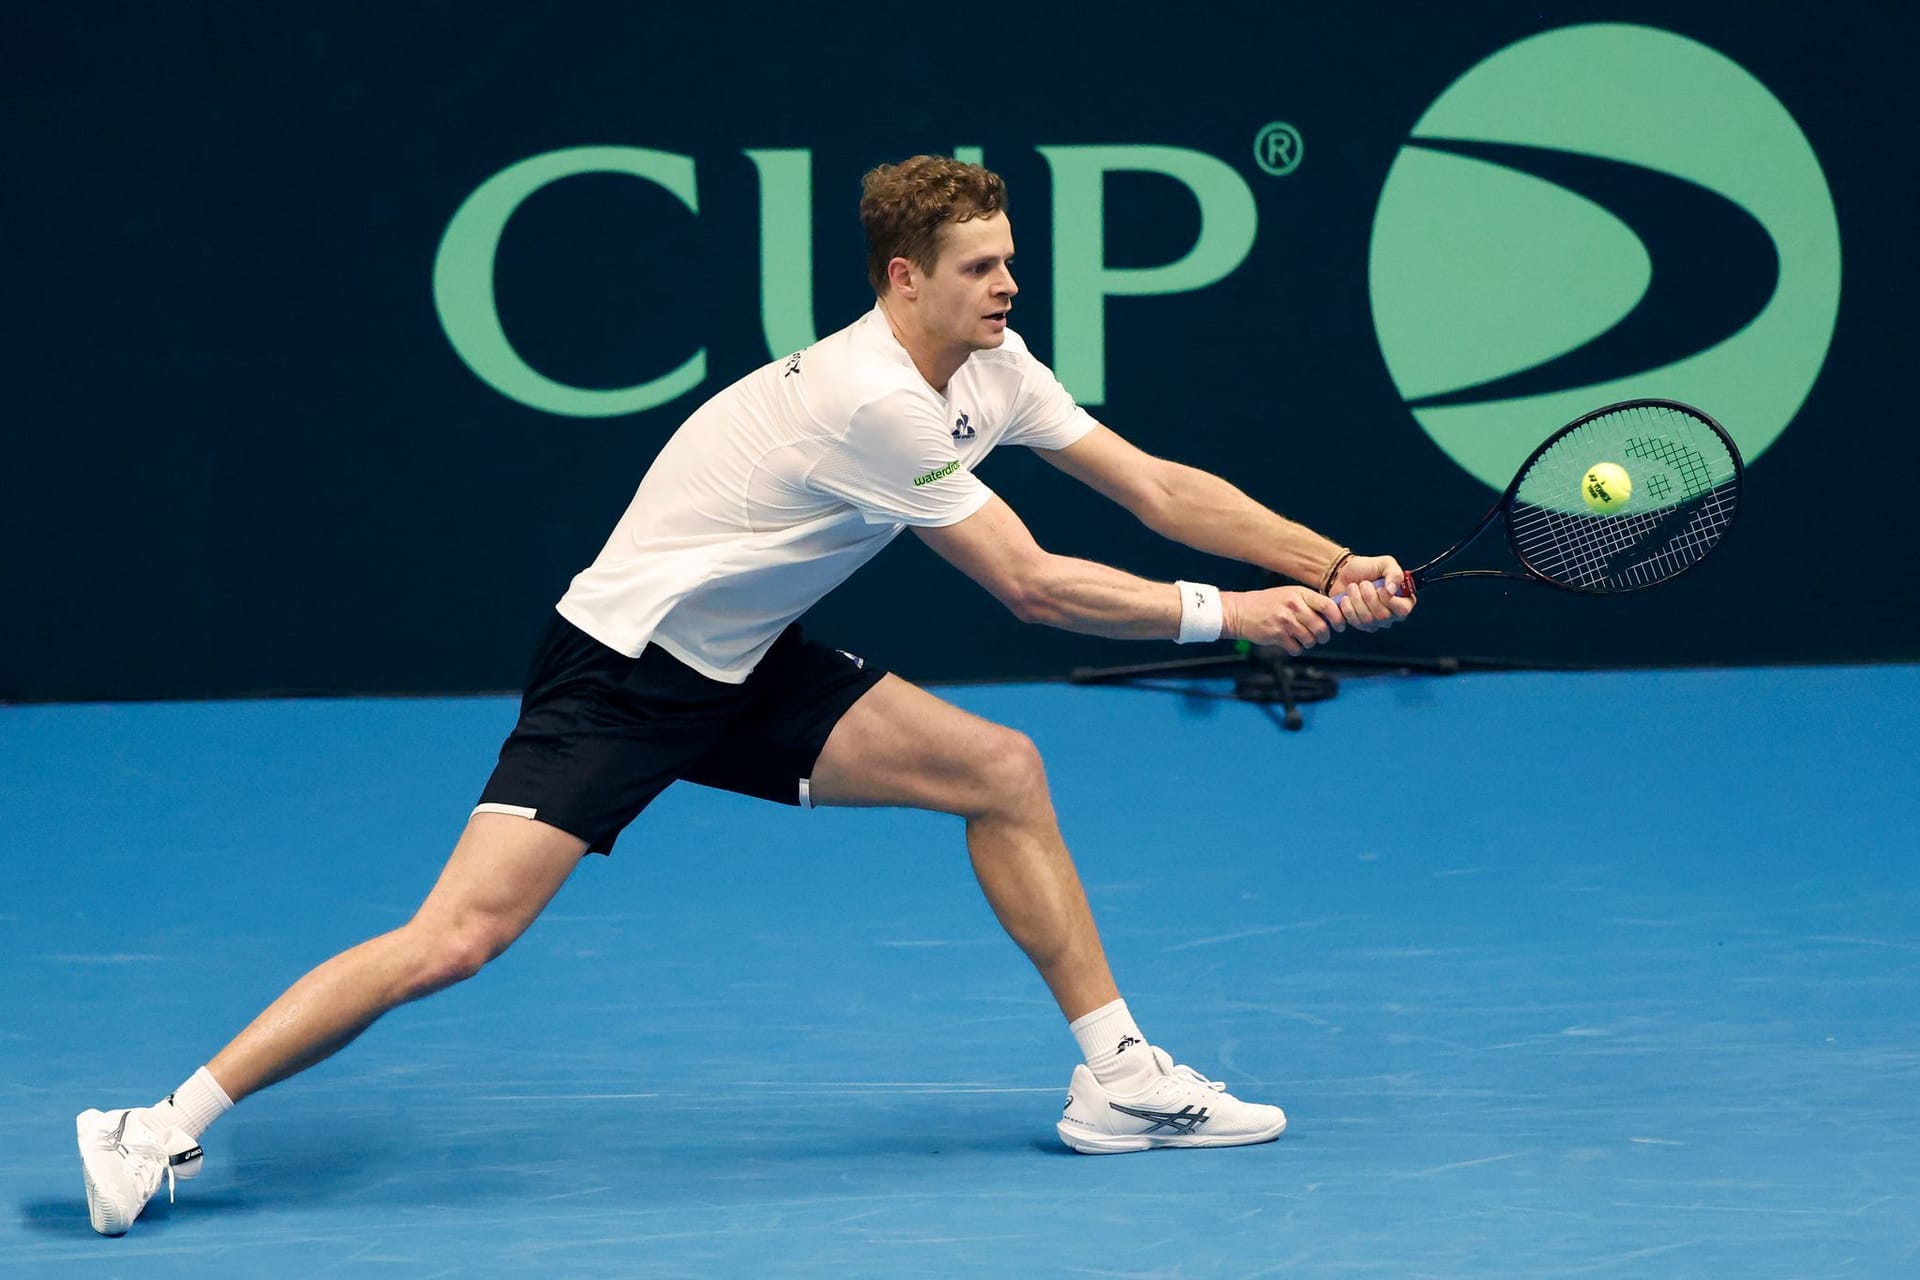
(1597, 213)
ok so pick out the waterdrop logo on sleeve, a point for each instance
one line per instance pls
(1596, 213)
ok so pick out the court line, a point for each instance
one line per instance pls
(1263, 932)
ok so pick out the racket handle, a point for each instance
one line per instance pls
(1406, 587)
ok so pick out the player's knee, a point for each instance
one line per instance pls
(446, 955)
(1014, 776)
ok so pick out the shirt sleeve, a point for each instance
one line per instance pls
(1045, 415)
(898, 465)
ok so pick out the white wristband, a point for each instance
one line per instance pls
(1201, 617)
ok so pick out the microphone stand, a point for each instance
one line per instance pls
(1264, 674)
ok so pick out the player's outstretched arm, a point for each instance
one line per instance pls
(1205, 512)
(994, 547)
(1195, 508)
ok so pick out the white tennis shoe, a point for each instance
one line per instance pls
(1182, 1108)
(123, 1158)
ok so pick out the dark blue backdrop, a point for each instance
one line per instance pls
(244, 454)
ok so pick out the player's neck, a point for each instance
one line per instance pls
(936, 365)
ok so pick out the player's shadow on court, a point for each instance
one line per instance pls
(288, 1161)
(305, 1160)
(66, 1219)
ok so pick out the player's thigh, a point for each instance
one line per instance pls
(901, 746)
(501, 875)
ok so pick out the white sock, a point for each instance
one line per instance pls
(194, 1105)
(1114, 1048)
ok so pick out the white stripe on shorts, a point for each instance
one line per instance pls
(516, 810)
(806, 793)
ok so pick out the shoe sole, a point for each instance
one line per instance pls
(99, 1210)
(1094, 1145)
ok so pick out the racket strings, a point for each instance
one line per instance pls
(1586, 551)
(1689, 464)
(1660, 534)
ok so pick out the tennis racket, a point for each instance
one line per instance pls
(1685, 473)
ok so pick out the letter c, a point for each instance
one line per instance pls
(463, 281)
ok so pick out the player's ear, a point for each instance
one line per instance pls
(903, 276)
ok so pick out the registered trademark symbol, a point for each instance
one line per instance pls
(1278, 148)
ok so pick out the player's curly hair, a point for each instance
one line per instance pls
(903, 206)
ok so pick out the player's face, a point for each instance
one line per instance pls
(965, 299)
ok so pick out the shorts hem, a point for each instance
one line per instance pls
(511, 810)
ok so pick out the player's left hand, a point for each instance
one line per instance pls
(1365, 606)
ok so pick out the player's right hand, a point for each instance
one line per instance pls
(1293, 618)
(1365, 606)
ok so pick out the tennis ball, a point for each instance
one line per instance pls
(1606, 487)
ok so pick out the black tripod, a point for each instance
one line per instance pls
(1263, 674)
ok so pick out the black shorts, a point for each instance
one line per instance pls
(601, 734)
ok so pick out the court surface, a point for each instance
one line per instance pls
(1601, 974)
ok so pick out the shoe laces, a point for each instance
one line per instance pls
(146, 1159)
(1193, 1077)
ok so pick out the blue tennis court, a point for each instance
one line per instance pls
(1596, 974)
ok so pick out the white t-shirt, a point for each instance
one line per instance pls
(780, 486)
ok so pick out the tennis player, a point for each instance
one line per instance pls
(676, 655)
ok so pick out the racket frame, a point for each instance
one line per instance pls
(1503, 505)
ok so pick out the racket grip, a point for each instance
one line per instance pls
(1406, 587)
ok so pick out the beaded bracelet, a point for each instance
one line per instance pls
(1326, 583)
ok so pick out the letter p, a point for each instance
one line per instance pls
(1082, 281)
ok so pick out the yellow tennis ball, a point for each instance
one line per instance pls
(1606, 487)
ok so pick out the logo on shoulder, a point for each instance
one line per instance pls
(962, 429)
(939, 473)
(793, 364)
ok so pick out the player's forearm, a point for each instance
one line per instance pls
(1096, 600)
(1202, 511)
